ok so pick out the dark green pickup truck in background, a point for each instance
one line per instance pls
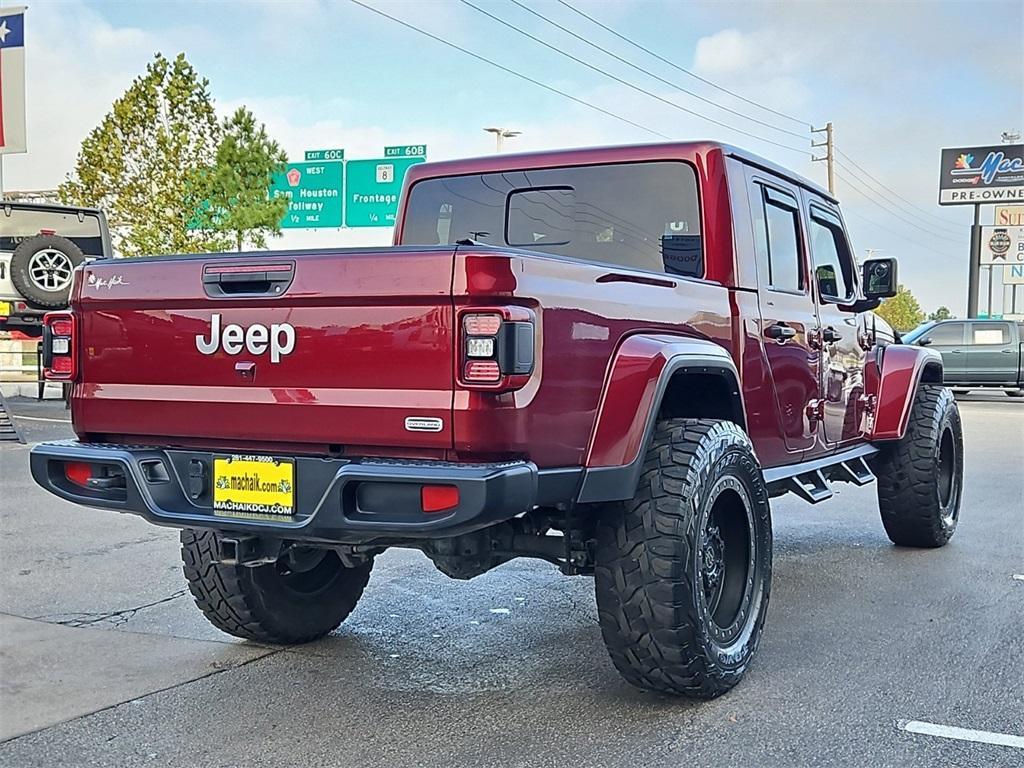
(976, 354)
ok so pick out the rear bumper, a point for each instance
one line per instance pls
(336, 500)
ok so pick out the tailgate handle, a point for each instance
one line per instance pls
(223, 281)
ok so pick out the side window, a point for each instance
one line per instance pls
(782, 241)
(830, 253)
(947, 334)
(990, 333)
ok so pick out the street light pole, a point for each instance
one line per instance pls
(500, 134)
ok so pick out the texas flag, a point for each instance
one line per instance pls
(12, 80)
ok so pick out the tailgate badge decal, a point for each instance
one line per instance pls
(423, 424)
(103, 282)
(279, 338)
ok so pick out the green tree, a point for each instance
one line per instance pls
(942, 313)
(147, 164)
(902, 311)
(239, 204)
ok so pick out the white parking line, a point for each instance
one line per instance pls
(962, 734)
(40, 418)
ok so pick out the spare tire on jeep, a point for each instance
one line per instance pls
(42, 268)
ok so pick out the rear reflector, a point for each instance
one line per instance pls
(482, 371)
(438, 498)
(63, 366)
(78, 472)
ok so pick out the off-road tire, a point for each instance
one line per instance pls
(920, 476)
(69, 255)
(650, 579)
(257, 603)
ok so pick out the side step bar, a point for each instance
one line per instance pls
(811, 480)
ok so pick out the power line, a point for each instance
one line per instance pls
(637, 45)
(513, 72)
(628, 84)
(647, 72)
(606, 28)
(891, 198)
(910, 222)
(900, 236)
(887, 189)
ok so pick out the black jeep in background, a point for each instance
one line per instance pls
(40, 246)
(976, 354)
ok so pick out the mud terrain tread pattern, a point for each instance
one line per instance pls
(642, 576)
(229, 601)
(906, 472)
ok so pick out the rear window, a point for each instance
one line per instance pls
(990, 333)
(638, 215)
(19, 224)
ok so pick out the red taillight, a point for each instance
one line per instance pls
(496, 348)
(78, 472)
(481, 325)
(482, 371)
(438, 498)
(60, 356)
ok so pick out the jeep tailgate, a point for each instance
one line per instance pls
(170, 350)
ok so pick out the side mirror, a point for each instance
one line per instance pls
(879, 278)
(924, 342)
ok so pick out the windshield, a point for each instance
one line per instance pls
(638, 215)
(19, 224)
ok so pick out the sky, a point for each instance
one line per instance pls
(898, 80)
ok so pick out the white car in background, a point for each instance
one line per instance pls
(40, 246)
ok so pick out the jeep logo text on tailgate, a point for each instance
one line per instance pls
(280, 338)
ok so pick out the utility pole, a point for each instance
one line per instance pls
(829, 158)
(500, 134)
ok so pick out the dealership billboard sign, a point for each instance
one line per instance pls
(975, 175)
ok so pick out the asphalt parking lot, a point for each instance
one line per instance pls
(106, 661)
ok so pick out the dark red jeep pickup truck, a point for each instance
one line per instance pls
(609, 359)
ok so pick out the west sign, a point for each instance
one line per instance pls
(973, 175)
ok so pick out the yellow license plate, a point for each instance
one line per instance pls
(254, 485)
(5, 308)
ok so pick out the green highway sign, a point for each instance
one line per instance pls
(406, 150)
(319, 155)
(314, 192)
(372, 188)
